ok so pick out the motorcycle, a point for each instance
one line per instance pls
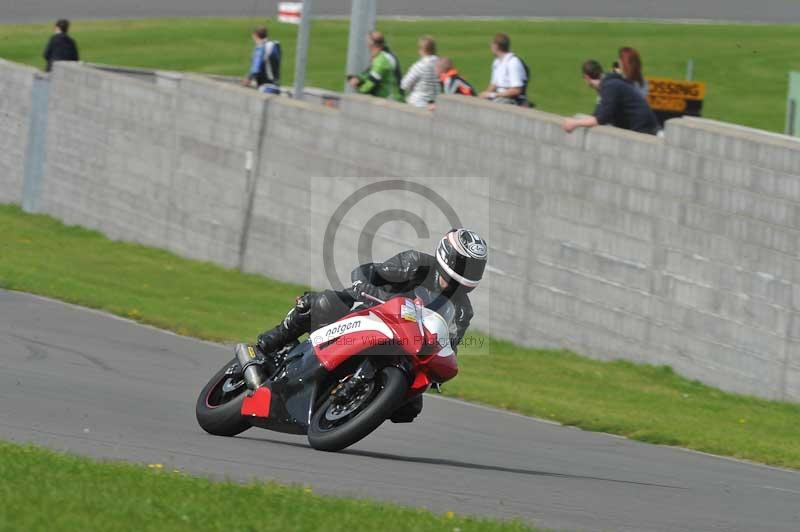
(344, 380)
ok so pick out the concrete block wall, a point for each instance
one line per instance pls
(218, 129)
(731, 263)
(110, 146)
(16, 84)
(298, 143)
(307, 150)
(313, 158)
(680, 250)
(150, 164)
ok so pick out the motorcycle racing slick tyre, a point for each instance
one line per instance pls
(219, 405)
(386, 391)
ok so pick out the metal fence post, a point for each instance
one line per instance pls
(362, 20)
(37, 143)
(301, 57)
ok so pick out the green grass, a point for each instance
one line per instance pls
(745, 65)
(46, 491)
(648, 403)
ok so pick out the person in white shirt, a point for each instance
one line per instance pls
(421, 84)
(509, 75)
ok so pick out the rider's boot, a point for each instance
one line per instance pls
(263, 359)
(408, 412)
(296, 323)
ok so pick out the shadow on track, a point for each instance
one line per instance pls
(462, 465)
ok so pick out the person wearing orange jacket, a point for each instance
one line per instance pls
(452, 82)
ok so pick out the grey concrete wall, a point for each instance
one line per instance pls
(160, 166)
(16, 83)
(110, 147)
(218, 135)
(681, 251)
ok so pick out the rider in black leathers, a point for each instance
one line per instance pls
(456, 270)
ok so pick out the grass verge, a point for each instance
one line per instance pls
(647, 403)
(745, 65)
(72, 493)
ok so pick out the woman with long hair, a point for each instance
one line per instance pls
(631, 64)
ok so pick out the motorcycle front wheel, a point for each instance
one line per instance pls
(219, 405)
(335, 426)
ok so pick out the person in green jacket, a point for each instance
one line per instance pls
(382, 78)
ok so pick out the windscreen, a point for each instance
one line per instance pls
(437, 303)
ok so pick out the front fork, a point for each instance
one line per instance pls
(366, 371)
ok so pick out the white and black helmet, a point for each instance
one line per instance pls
(461, 256)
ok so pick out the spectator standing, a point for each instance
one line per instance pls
(61, 46)
(630, 63)
(620, 104)
(421, 84)
(265, 63)
(452, 82)
(382, 78)
(510, 75)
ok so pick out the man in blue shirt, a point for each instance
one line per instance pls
(620, 103)
(265, 65)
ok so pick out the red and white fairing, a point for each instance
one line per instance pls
(401, 324)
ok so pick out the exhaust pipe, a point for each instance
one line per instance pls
(251, 367)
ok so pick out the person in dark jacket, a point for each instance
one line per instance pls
(61, 46)
(455, 271)
(620, 104)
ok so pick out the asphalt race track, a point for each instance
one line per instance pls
(90, 383)
(740, 10)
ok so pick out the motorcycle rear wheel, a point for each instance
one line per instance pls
(218, 411)
(390, 387)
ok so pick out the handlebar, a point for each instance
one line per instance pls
(372, 298)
